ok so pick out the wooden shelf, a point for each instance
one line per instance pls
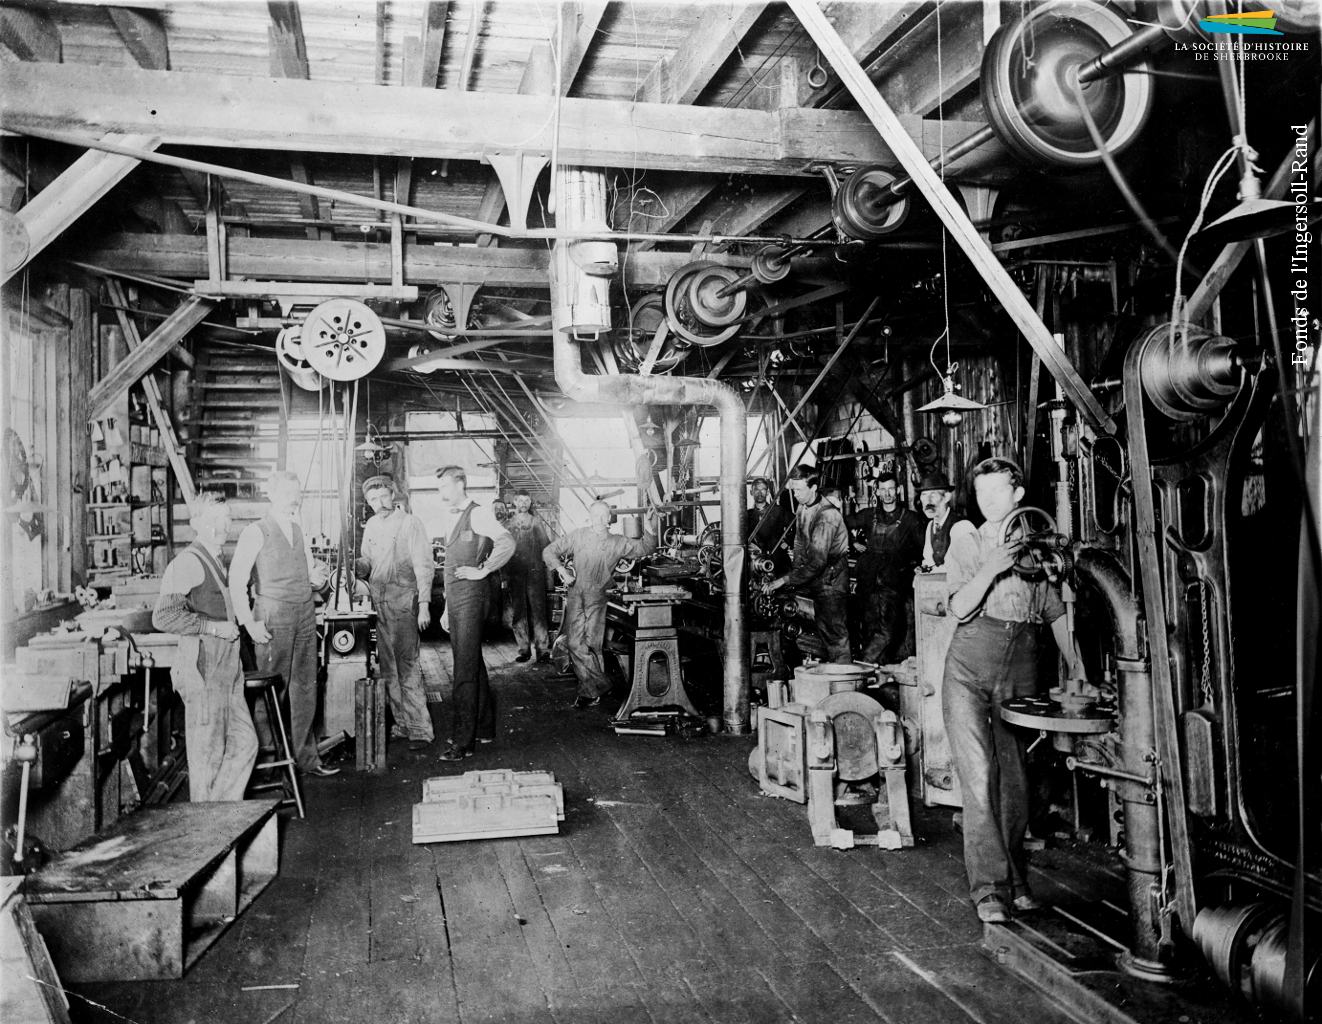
(109, 536)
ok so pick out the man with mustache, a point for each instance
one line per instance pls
(935, 496)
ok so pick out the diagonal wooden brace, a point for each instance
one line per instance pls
(952, 216)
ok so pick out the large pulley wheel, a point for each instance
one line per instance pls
(289, 354)
(1028, 75)
(631, 346)
(1189, 372)
(438, 311)
(864, 207)
(695, 307)
(343, 339)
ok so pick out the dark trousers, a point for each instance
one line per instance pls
(473, 713)
(584, 626)
(831, 615)
(293, 653)
(989, 661)
(885, 630)
(527, 598)
(397, 650)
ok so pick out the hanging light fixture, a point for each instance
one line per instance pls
(951, 406)
(372, 451)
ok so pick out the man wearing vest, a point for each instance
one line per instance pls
(934, 497)
(282, 620)
(476, 546)
(821, 563)
(396, 559)
(195, 603)
(596, 551)
(527, 579)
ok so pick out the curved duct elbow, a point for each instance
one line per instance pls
(1102, 571)
(569, 282)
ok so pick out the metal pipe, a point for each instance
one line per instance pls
(1122, 54)
(1142, 856)
(631, 389)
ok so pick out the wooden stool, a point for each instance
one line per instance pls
(266, 683)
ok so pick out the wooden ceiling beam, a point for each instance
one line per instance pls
(432, 43)
(338, 117)
(184, 257)
(289, 52)
(289, 59)
(30, 35)
(73, 193)
(919, 86)
(682, 77)
(144, 36)
(578, 24)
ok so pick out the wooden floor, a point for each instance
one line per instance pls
(675, 892)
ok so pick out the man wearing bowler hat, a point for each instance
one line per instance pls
(935, 497)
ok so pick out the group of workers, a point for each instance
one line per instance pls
(992, 655)
(993, 651)
(890, 541)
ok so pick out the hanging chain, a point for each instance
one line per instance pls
(1204, 591)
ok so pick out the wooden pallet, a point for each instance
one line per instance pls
(143, 900)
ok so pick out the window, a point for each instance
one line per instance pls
(425, 456)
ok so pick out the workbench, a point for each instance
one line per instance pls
(143, 900)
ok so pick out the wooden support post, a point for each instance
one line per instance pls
(82, 349)
(952, 216)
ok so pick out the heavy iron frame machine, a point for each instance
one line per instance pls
(1186, 546)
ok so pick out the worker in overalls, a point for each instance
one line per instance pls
(396, 559)
(275, 556)
(527, 580)
(821, 563)
(476, 546)
(195, 603)
(884, 573)
(595, 551)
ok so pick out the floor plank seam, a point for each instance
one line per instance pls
(866, 866)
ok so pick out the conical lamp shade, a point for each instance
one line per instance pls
(1254, 218)
(951, 401)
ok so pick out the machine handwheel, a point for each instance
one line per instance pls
(343, 339)
(1028, 74)
(1044, 552)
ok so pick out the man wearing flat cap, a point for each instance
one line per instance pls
(396, 560)
(935, 497)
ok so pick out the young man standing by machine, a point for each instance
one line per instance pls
(595, 551)
(821, 563)
(275, 556)
(527, 579)
(992, 657)
(396, 559)
(195, 603)
(476, 546)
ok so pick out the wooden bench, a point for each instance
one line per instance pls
(143, 900)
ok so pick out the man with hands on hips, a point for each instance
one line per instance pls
(476, 546)
(273, 554)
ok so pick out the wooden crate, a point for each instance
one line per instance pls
(143, 900)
